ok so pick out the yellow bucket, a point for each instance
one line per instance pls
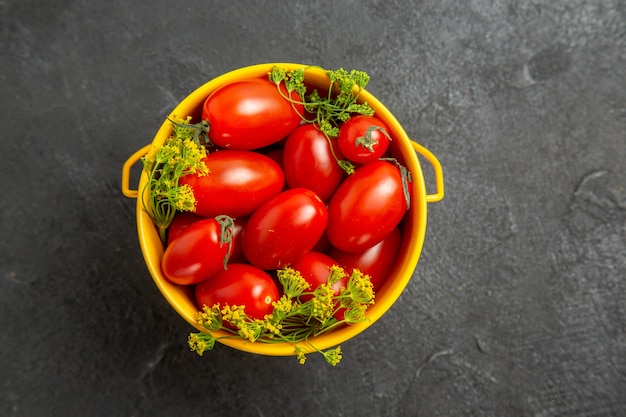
(414, 226)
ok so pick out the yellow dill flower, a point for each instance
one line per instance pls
(234, 315)
(200, 342)
(355, 312)
(292, 281)
(179, 155)
(249, 330)
(360, 288)
(336, 273)
(333, 356)
(301, 354)
(274, 329)
(186, 201)
(323, 303)
(210, 317)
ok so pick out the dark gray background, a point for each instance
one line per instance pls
(520, 291)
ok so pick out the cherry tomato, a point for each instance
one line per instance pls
(240, 284)
(366, 207)
(315, 268)
(363, 139)
(376, 261)
(284, 228)
(180, 222)
(308, 162)
(195, 254)
(238, 182)
(250, 114)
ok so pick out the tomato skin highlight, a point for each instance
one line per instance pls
(240, 284)
(238, 182)
(356, 129)
(284, 228)
(250, 114)
(195, 254)
(376, 261)
(366, 207)
(308, 162)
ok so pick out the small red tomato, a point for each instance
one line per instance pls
(250, 114)
(366, 207)
(180, 222)
(241, 285)
(284, 228)
(363, 139)
(308, 162)
(315, 269)
(238, 182)
(196, 254)
(376, 261)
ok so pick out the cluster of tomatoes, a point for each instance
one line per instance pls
(276, 196)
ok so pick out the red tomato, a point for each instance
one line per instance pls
(376, 261)
(180, 222)
(250, 114)
(238, 182)
(284, 228)
(195, 254)
(315, 268)
(366, 207)
(308, 162)
(240, 284)
(363, 139)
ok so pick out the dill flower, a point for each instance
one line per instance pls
(333, 356)
(360, 288)
(210, 317)
(323, 303)
(178, 156)
(301, 354)
(201, 342)
(249, 330)
(292, 281)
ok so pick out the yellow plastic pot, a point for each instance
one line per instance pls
(414, 226)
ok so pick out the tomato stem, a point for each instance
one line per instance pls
(406, 177)
(227, 228)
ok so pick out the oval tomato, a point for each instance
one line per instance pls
(376, 261)
(180, 222)
(238, 182)
(363, 139)
(195, 254)
(308, 162)
(250, 114)
(315, 269)
(284, 228)
(241, 285)
(366, 207)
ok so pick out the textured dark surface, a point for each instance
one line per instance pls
(520, 293)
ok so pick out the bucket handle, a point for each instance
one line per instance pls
(134, 158)
(430, 198)
(438, 195)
